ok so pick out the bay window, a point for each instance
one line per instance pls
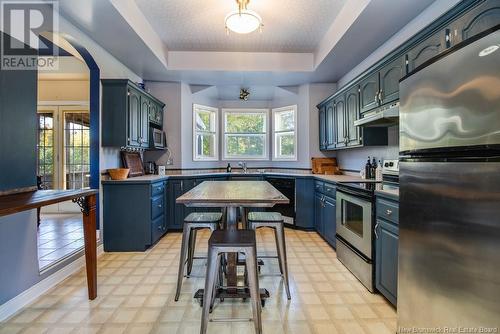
(245, 134)
(205, 130)
(285, 133)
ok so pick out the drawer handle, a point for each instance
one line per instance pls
(389, 212)
(159, 205)
(159, 188)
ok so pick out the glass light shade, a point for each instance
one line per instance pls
(243, 22)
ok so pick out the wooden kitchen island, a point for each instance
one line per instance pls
(86, 199)
(233, 195)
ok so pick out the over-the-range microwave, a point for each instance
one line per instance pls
(157, 139)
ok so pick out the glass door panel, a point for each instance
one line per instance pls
(46, 150)
(76, 149)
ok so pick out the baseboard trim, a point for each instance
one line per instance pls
(26, 297)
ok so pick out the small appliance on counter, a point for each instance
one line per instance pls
(133, 161)
(150, 167)
(355, 222)
(161, 170)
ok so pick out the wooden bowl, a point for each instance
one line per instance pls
(118, 173)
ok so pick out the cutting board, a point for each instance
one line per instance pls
(325, 166)
(133, 161)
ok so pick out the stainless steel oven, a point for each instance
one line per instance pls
(355, 229)
(354, 221)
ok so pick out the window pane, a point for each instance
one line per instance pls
(252, 146)
(77, 148)
(285, 145)
(245, 122)
(205, 121)
(284, 120)
(205, 145)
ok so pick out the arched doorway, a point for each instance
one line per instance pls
(71, 113)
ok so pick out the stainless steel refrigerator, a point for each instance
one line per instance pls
(449, 246)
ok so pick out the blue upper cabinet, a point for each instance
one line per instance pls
(353, 136)
(340, 122)
(322, 127)
(389, 77)
(482, 17)
(127, 114)
(420, 53)
(368, 92)
(330, 125)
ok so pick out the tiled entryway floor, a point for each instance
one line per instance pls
(59, 235)
(136, 295)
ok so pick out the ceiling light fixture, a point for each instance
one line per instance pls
(243, 20)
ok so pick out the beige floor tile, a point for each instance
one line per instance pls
(136, 295)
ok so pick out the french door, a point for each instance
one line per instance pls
(63, 148)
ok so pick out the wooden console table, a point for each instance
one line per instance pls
(86, 199)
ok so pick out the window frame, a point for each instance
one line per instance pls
(265, 112)
(275, 111)
(198, 107)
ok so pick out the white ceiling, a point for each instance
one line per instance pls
(194, 25)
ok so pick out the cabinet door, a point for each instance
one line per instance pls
(176, 210)
(133, 117)
(330, 125)
(340, 122)
(352, 115)
(329, 220)
(322, 128)
(386, 263)
(479, 19)
(304, 200)
(424, 51)
(318, 213)
(368, 94)
(144, 122)
(390, 75)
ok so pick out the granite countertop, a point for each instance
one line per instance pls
(389, 193)
(156, 178)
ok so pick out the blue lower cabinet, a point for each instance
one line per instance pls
(134, 218)
(304, 203)
(329, 220)
(325, 211)
(386, 252)
(177, 211)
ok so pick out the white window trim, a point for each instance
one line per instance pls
(265, 156)
(216, 144)
(275, 151)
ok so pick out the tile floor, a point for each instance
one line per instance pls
(136, 295)
(59, 235)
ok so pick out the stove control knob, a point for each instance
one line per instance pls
(386, 164)
(391, 164)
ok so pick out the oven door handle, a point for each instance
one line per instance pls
(353, 193)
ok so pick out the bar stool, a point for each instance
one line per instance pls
(275, 221)
(232, 241)
(193, 222)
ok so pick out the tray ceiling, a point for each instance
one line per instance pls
(194, 25)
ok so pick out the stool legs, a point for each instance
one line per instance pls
(184, 253)
(253, 282)
(280, 236)
(278, 250)
(192, 245)
(213, 258)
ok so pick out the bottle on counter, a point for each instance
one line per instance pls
(368, 169)
(228, 168)
(378, 171)
(373, 168)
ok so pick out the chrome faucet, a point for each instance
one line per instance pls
(243, 165)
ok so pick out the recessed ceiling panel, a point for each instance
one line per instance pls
(194, 25)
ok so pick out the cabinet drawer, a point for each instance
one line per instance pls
(157, 206)
(388, 210)
(157, 229)
(330, 190)
(319, 186)
(157, 189)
